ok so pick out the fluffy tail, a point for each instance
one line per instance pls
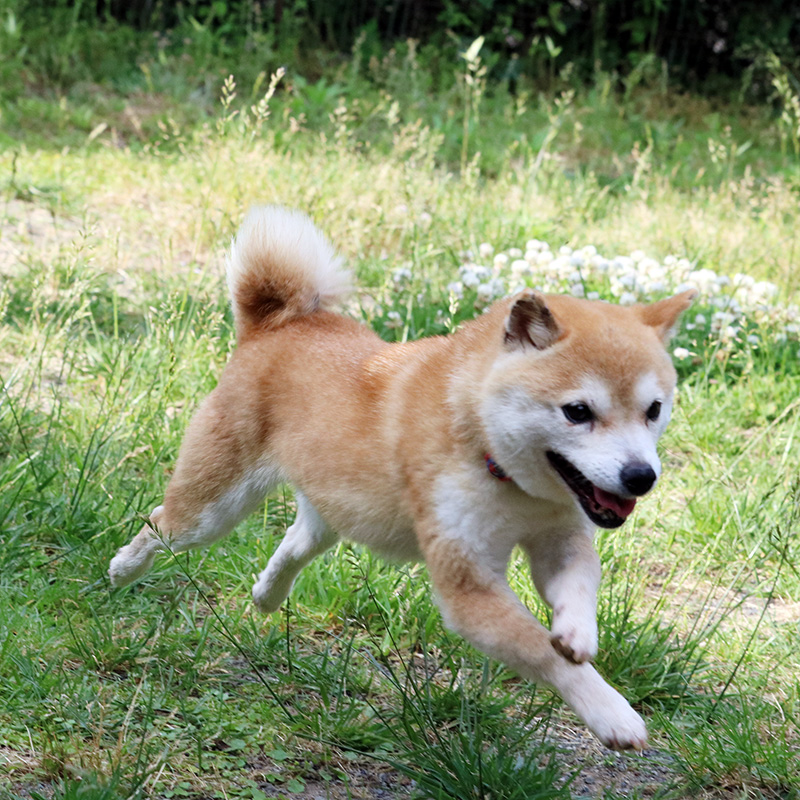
(281, 267)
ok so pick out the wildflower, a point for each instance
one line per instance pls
(753, 339)
(627, 299)
(515, 252)
(520, 267)
(485, 250)
(593, 295)
(637, 255)
(681, 353)
(470, 279)
(577, 290)
(500, 260)
(401, 276)
(490, 290)
(456, 288)
(425, 220)
(394, 320)
(565, 250)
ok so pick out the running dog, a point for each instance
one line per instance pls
(529, 426)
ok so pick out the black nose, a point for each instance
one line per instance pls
(638, 478)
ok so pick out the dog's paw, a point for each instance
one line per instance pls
(126, 567)
(266, 599)
(575, 639)
(620, 728)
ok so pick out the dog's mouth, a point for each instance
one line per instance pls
(603, 508)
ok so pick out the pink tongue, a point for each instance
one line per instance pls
(619, 505)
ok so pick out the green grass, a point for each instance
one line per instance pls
(114, 324)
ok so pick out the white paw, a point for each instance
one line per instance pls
(620, 729)
(604, 710)
(574, 638)
(268, 599)
(126, 567)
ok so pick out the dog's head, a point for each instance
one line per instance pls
(578, 396)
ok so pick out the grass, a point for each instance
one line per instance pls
(114, 324)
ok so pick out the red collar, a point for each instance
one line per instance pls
(495, 469)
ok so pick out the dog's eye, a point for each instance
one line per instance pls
(654, 411)
(578, 412)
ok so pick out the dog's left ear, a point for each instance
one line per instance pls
(663, 315)
(530, 323)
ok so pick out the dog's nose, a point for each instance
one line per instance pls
(638, 478)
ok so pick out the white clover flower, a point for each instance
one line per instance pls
(700, 319)
(456, 288)
(535, 244)
(657, 287)
(425, 220)
(401, 276)
(681, 353)
(627, 299)
(599, 263)
(628, 280)
(500, 260)
(670, 261)
(637, 255)
(565, 250)
(589, 251)
(485, 250)
(792, 329)
(514, 252)
(544, 258)
(753, 339)
(469, 279)
(650, 266)
(394, 320)
(520, 267)
(576, 259)
(593, 295)
(577, 290)
(621, 263)
(485, 293)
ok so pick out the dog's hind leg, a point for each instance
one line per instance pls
(220, 477)
(307, 538)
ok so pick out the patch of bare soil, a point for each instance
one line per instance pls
(31, 232)
(598, 770)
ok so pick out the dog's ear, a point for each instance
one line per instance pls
(663, 315)
(530, 323)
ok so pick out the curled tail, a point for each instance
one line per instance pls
(281, 267)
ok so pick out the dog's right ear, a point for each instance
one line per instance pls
(530, 323)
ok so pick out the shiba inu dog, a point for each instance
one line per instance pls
(529, 426)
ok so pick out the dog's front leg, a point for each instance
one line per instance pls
(566, 571)
(478, 603)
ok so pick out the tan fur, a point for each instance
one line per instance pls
(385, 445)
